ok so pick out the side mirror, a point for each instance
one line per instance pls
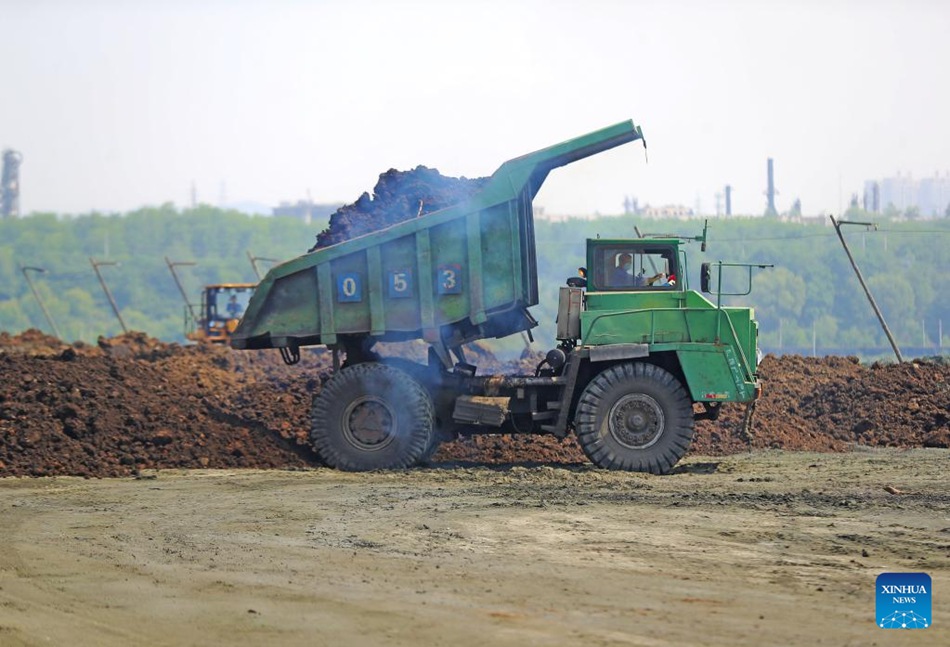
(704, 277)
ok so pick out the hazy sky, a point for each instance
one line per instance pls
(116, 105)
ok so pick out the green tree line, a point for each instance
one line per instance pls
(216, 241)
(811, 298)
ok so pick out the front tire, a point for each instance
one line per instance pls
(370, 417)
(635, 417)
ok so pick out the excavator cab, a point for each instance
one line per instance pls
(222, 306)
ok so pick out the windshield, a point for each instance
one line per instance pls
(629, 267)
(230, 303)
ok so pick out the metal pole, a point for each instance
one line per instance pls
(105, 288)
(184, 295)
(36, 294)
(877, 311)
(254, 260)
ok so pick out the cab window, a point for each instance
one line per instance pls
(634, 268)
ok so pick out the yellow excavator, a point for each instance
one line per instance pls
(222, 306)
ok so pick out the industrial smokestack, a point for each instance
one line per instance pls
(10, 184)
(728, 199)
(770, 192)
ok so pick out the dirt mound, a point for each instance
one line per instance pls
(32, 342)
(134, 402)
(397, 196)
(835, 403)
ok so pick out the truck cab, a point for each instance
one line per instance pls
(641, 356)
(638, 293)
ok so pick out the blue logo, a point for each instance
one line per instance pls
(904, 601)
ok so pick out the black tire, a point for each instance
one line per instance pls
(371, 417)
(635, 417)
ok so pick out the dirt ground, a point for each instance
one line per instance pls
(762, 548)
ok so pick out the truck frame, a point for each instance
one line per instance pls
(639, 356)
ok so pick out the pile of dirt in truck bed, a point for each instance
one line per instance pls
(397, 196)
(133, 402)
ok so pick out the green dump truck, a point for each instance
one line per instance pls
(639, 356)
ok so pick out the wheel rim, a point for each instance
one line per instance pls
(636, 421)
(369, 423)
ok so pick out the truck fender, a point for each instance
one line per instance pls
(616, 352)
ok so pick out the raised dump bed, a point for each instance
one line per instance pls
(450, 277)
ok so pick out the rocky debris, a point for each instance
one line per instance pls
(133, 403)
(397, 196)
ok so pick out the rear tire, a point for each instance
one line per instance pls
(635, 417)
(371, 417)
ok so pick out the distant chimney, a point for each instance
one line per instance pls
(770, 192)
(10, 184)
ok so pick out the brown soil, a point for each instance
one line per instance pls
(133, 402)
(397, 196)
